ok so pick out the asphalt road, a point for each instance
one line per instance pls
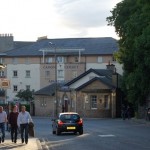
(99, 134)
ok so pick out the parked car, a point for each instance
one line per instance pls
(67, 122)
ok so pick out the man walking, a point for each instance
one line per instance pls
(3, 120)
(23, 122)
(13, 123)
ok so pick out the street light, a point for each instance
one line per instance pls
(55, 78)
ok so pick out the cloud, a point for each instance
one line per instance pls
(83, 13)
(28, 19)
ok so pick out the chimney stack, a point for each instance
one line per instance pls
(111, 67)
(114, 74)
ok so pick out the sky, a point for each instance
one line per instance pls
(27, 20)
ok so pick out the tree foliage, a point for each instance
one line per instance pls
(25, 95)
(131, 19)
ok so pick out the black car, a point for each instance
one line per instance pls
(67, 122)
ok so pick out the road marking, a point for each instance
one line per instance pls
(107, 135)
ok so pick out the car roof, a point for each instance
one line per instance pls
(66, 113)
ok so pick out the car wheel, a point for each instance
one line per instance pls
(81, 132)
(57, 132)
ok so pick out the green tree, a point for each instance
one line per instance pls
(25, 95)
(131, 19)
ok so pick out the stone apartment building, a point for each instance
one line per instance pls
(36, 65)
(95, 93)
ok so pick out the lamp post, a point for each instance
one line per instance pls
(113, 104)
(56, 101)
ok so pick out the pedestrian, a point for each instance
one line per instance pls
(148, 114)
(24, 118)
(7, 112)
(3, 120)
(128, 112)
(123, 112)
(13, 124)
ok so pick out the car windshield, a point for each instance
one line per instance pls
(69, 117)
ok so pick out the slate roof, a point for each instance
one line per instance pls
(92, 46)
(19, 44)
(103, 80)
(101, 72)
(48, 90)
(106, 79)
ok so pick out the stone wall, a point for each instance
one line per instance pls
(44, 106)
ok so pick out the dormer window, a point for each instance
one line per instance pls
(49, 60)
(1, 60)
(60, 59)
(99, 59)
(76, 59)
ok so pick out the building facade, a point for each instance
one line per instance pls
(35, 65)
(92, 94)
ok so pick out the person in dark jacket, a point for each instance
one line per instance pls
(128, 112)
(13, 124)
(123, 112)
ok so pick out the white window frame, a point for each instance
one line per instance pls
(28, 73)
(60, 73)
(27, 60)
(106, 101)
(28, 87)
(74, 74)
(43, 102)
(14, 60)
(49, 60)
(47, 73)
(93, 99)
(15, 73)
(15, 88)
(60, 59)
(2, 74)
(1, 60)
(99, 59)
(76, 59)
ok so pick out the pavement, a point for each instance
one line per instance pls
(142, 121)
(33, 144)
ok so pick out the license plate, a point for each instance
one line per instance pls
(71, 128)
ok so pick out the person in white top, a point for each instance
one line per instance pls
(23, 120)
(3, 120)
